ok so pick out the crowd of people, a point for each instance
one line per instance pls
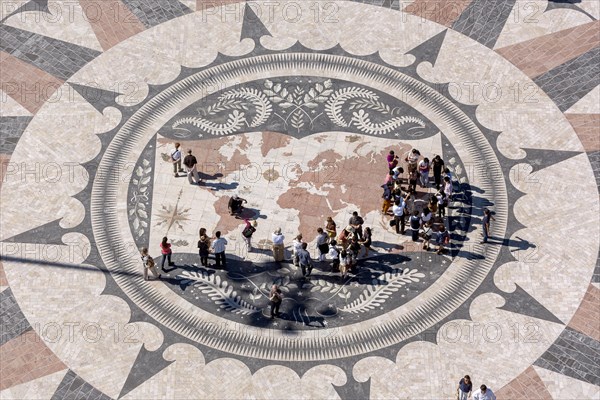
(423, 211)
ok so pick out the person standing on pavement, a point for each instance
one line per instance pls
(387, 197)
(415, 225)
(218, 248)
(484, 393)
(305, 261)
(176, 160)
(437, 165)
(487, 216)
(322, 244)
(424, 172)
(190, 163)
(165, 250)
(296, 247)
(398, 211)
(247, 233)
(148, 264)
(275, 297)
(203, 247)
(278, 247)
(464, 389)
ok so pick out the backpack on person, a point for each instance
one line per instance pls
(248, 231)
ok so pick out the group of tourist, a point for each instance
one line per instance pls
(424, 222)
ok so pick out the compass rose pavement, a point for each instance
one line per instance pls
(294, 107)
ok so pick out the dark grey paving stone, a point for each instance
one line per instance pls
(575, 355)
(73, 387)
(56, 57)
(12, 321)
(152, 12)
(483, 20)
(11, 129)
(571, 81)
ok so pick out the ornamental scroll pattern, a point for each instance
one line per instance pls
(298, 107)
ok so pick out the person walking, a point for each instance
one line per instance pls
(484, 393)
(218, 248)
(296, 247)
(443, 239)
(322, 244)
(190, 163)
(278, 247)
(165, 250)
(176, 160)
(424, 172)
(464, 389)
(148, 264)
(203, 247)
(398, 211)
(305, 261)
(437, 165)
(442, 203)
(276, 298)
(487, 217)
(247, 233)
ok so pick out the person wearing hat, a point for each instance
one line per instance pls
(278, 247)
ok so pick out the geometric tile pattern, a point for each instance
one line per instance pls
(73, 387)
(594, 157)
(152, 13)
(587, 127)
(444, 12)
(111, 21)
(573, 354)
(56, 57)
(527, 385)
(12, 321)
(539, 55)
(26, 358)
(11, 129)
(571, 81)
(587, 318)
(483, 20)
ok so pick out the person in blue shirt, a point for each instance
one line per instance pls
(465, 386)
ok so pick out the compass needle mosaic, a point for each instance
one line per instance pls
(300, 199)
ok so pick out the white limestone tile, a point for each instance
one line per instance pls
(464, 347)
(508, 101)
(591, 6)
(41, 388)
(322, 25)
(563, 387)
(190, 377)
(589, 104)
(547, 216)
(9, 107)
(89, 332)
(163, 49)
(46, 164)
(528, 21)
(66, 21)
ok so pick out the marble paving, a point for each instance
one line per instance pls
(294, 106)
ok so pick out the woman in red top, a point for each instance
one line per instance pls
(165, 250)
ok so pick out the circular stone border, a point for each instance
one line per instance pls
(461, 279)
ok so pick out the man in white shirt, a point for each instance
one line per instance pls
(176, 160)
(484, 393)
(218, 247)
(278, 245)
(398, 211)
